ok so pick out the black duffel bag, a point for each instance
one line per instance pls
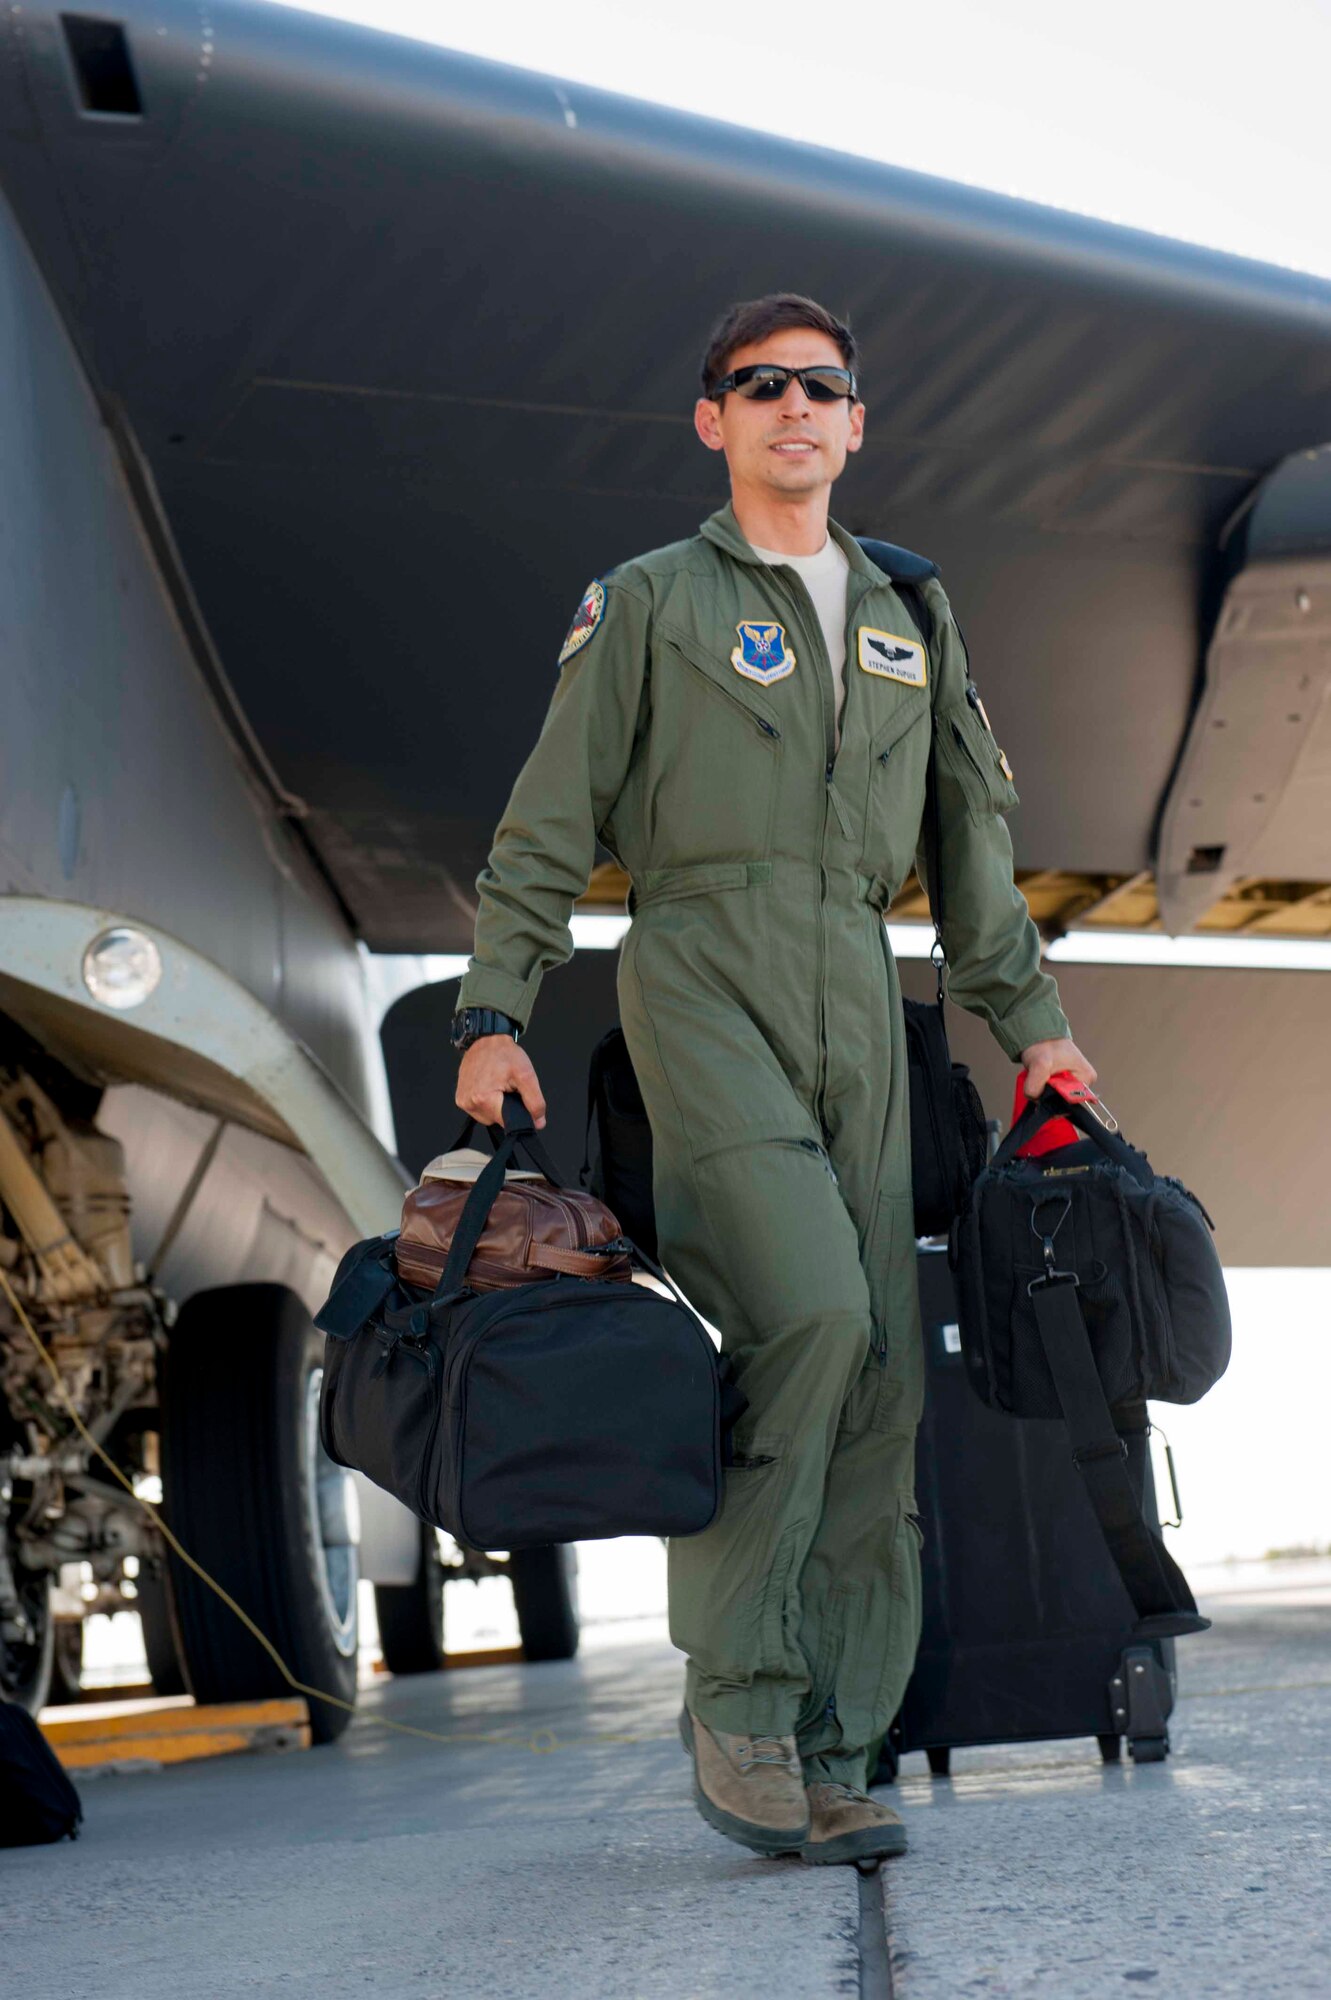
(566, 1410)
(37, 1801)
(1087, 1284)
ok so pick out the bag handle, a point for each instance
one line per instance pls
(1039, 1110)
(516, 1133)
(517, 1125)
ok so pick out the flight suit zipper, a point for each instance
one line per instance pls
(795, 589)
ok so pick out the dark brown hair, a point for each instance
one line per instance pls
(753, 319)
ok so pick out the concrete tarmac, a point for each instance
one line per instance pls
(548, 1850)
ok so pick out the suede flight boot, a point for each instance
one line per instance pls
(847, 1825)
(749, 1788)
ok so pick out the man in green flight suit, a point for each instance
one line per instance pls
(744, 720)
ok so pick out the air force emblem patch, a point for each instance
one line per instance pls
(762, 653)
(895, 658)
(585, 621)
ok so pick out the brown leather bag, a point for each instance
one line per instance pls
(536, 1228)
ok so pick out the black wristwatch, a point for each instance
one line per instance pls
(471, 1023)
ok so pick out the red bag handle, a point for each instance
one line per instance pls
(1057, 1131)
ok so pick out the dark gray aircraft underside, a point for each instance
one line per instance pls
(398, 348)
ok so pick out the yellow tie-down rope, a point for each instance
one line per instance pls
(543, 1741)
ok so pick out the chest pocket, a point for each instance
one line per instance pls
(975, 760)
(710, 762)
(898, 760)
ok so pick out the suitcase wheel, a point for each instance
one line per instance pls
(1148, 1749)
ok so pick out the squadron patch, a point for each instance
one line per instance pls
(895, 658)
(585, 621)
(762, 653)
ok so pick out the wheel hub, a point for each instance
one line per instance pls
(334, 1511)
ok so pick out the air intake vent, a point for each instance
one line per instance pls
(105, 74)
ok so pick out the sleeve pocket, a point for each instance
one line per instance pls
(975, 760)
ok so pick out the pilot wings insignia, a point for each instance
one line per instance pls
(892, 657)
(762, 653)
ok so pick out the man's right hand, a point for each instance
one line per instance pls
(489, 1068)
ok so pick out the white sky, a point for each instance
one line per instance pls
(1199, 119)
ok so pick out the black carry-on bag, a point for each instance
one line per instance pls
(38, 1803)
(1087, 1284)
(565, 1410)
(1028, 1633)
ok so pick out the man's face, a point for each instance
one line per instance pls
(791, 447)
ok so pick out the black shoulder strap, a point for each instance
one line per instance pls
(908, 574)
(902, 565)
(1157, 1586)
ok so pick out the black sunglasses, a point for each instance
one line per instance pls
(765, 382)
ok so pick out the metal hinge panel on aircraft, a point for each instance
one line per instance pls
(1252, 791)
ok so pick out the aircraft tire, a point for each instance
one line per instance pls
(411, 1615)
(26, 1667)
(252, 1496)
(545, 1597)
(66, 1663)
(161, 1640)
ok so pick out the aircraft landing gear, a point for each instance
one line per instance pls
(254, 1497)
(545, 1596)
(27, 1639)
(411, 1615)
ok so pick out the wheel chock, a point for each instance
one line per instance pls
(174, 1730)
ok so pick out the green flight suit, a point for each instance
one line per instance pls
(762, 1010)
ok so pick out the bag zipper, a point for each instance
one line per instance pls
(429, 1354)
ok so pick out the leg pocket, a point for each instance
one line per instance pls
(903, 1608)
(728, 1584)
(897, 1351)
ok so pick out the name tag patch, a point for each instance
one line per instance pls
(762, 653)
(892, 657)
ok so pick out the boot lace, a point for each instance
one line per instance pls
(766, 1750)
(829, 1790)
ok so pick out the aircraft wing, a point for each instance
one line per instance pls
(399, 348)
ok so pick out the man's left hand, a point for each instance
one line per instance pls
(1043, 1058)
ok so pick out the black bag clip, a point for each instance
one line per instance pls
(1051, 1274)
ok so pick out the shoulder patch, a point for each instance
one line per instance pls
(585, 621)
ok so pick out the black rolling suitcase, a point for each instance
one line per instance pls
(1028, 1629)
